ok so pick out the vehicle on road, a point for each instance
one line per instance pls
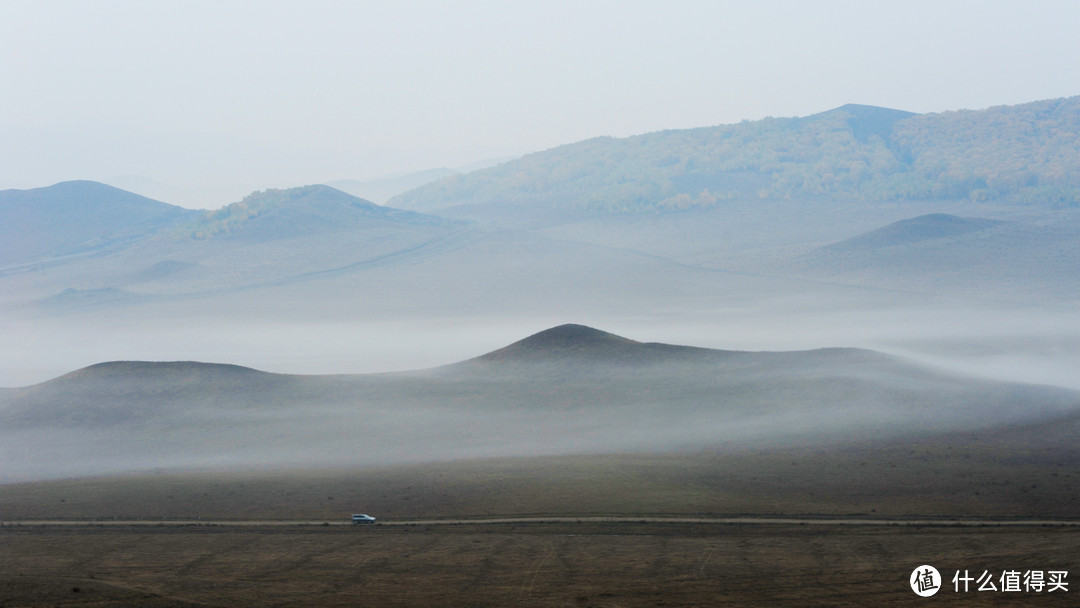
(361, 518)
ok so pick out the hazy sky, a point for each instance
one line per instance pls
(273, 93)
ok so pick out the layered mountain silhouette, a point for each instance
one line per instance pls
(94, 246)
(381, 190)
(803, 196)
(88, 217)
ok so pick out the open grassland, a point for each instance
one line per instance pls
(1024, 472)
(592, 564)
(1021, 472)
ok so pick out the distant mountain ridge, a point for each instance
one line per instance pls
(381, 190)
(1023, 154)
(84, 216)
(76, 216)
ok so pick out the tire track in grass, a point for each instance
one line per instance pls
(531, 579)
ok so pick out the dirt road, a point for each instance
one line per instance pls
(786, 521)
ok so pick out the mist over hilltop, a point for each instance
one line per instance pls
(312, 279)
(570, 389)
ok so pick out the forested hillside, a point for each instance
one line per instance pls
(1024, 154)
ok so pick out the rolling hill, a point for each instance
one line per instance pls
(1016, 154)
(575, 344)
(83, 217)
(1024, 261)
(301, 279)
(276, 214)
(923, 228)
(567, 390)
(78, 217)
(269, 237)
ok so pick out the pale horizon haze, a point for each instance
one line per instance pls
(222, 98)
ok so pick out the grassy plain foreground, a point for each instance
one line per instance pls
(1015, 472)
(515, 565)
(1023, 473)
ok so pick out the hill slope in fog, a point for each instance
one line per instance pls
(77, 217)
(567, 390)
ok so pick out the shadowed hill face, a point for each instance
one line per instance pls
(922, 228)
(568, 340)
(576, 344)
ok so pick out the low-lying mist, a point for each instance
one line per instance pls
(600, 394)
(1016, 343)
